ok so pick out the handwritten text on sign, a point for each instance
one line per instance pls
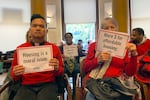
(113, 42)
(70, 50)
(35, 59)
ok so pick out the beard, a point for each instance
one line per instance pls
(135, 41)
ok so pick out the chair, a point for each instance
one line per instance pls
(144, 90)
(80, 91)
(1, 55)
(8, 57)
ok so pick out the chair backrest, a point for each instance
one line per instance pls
(82, 73)
(80, 92)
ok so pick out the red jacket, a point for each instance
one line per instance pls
(142, 48)
(39, 77)
(117, 65)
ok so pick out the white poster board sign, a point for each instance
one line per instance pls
(113, 42)
(70, 50)
(35, 58)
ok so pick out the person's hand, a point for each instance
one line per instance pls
(54, 62)
(18, 70)
(103, 56)
(132, 49)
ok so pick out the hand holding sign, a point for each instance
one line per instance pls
(18, 70)
(103, 56)
(132, 48)
(54, 62)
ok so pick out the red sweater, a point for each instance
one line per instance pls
(116, 67)
(39, 77)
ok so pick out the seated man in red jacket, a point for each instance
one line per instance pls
(37, 85)
(143, 45)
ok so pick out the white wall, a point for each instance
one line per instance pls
(140, 15)
(14, 23)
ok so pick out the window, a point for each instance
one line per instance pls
(85, 32)
(80, 18)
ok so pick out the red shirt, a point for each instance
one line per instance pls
(116, 67)
(39, 77)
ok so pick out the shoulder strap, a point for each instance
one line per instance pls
(100, 71)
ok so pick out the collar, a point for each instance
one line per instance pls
(144, 39)
(37, 44)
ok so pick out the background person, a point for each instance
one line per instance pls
(143, 46)
(28, 36)
(71, 63)
(142, 42)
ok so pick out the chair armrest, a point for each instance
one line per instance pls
(68, 84)
(4, 86)
(78, 80)
(68, 87)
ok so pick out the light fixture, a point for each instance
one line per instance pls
(108, 9)
(48, 19)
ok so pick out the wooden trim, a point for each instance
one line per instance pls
(63, 19)
(97, 18)
(130, 17)
(38, 7)
(120, 13)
